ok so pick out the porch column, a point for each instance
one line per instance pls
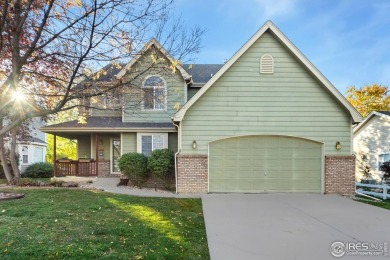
(97, 154)
(55, 154)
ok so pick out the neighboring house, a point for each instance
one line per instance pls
(265, 121)
(31, 149)
(371, 140)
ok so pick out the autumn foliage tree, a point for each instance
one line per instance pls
(369, 98)
(48, 47)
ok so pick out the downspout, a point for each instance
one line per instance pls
(178, 151)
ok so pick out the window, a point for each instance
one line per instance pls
(150, 142)
(383, 158)
(38, 154)
(266, 64)
(115, 155)
(154, 93)
(25, 154)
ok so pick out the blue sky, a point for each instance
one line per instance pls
(347, 40)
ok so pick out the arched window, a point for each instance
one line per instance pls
(266, 64)
(154, 88)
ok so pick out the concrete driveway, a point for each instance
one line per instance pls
(289, 226)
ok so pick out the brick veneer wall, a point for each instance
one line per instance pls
(104, 168)
(340, 174)
(192, 174)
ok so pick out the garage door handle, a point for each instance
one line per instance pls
(265, 173)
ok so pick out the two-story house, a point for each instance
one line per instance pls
(136, 117)
(265, 121)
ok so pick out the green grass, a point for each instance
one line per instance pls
(79, 224)
(382, 204)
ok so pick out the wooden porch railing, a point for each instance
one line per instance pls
(76, 168)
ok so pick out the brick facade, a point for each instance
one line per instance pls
(340, 175)
(104, 168)
(192, 174)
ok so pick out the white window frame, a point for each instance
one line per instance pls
(112, 153)
(139, 140)
(380, 161)
(25, 152)
(154, 91)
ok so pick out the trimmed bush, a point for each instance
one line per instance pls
(161, 164)
(385, 167)
(134, 166)
(39, 170)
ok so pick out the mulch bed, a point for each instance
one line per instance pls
(10, 195)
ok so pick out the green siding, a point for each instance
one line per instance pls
(129, 142)
(104, 144)
(288, 102)
(84, 147)
(106, 112)
(191, 92)
(133, 111)
(172, 142)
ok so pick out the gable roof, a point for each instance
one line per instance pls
(156, 44)
(201, 73)
(294, 50)
(382, 114)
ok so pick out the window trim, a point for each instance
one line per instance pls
(139, 140)
(165, 87)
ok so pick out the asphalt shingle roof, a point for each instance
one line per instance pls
(201, 73)
(109, 122)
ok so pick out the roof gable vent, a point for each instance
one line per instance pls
(266, 64)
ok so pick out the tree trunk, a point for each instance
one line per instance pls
(3, 158)
(12, 155)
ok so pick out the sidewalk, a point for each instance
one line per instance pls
(110, 185)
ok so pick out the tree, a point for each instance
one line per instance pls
(369, 98)
(47, 48)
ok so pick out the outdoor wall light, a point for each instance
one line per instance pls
(194, 144)
(338, 145)
(101, 142)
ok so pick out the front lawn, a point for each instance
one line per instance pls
(382, 204)
(78, 224)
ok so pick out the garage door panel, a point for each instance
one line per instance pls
(265, 163)
(306, 185)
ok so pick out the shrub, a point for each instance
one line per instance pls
(161, 163)
(134, 166)
(39, 170)
(385, 167)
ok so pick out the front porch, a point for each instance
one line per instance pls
(82, 168)
(97, 155)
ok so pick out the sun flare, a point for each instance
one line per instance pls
(18, 96)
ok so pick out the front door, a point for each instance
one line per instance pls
(115, 155)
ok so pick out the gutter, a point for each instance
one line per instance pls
(178, 151)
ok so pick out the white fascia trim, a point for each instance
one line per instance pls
(368, 118)
(269, 25)
(152, 42)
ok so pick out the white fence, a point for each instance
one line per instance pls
(374, 190)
